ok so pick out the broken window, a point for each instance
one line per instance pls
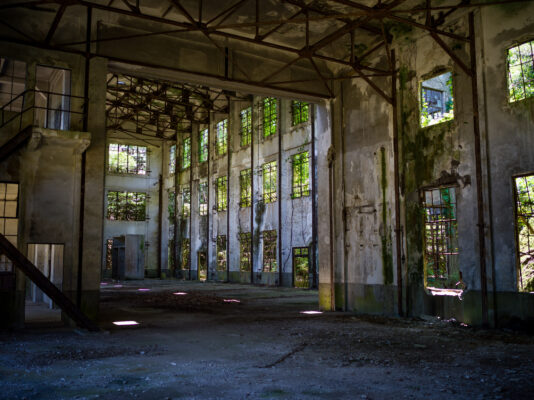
(524, 226)
(301, 175)
(441, 238)
(245, 188)
(221, 252)
(269, 182)
(269, 251)
(186, 201)
(126, 206)
(301, 267)
(245, 244)
(186, 253)
(203, 146)
(203, 198)
(300, 111)
(9, 194)
(246, 126)
(109, 250)
(126, 159)
(437, 102)
(270, 116)
(186, 153)
(222, 137)
(521, 71)
(222, 187)
(172, 159)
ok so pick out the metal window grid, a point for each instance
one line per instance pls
(245, 188)
(126, 206)
(270, 116)
(520, 62)
(127, 159)
(246, 126)
(524, 227)
(203, 146)
(221, 252)
(269, 182)
(245, 250)
(269, 251)
(221, 193)
(300, 112)
(9, 193)
(186, 153)
(222, 137)
(301, 175)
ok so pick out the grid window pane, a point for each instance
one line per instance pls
(246, 126)
(221, 252)
(222, 189)
(270, 116)
(186, 153)
(222, 137)
(245, 250)
(269, 182)
(269, 251)
(524, 225)
(521, 71)
(127, 159)
(203, 146)
(186, 201)
(8, 219)
(301, 175)
(126, 206)
(300, 112)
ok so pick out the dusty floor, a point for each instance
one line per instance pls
(197, 346)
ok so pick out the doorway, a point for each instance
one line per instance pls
(202, 265)
(301, 267)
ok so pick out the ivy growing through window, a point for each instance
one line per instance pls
(126, 206)
(246, 126)
(126, 159)
(269, 182)
(269, 251)
(221, 252)
(245, 188)
(186, 201)
(300, 111)
(270, 116)
(172, 159)
(186, 153)
(203, 146)
(301, 175)
(222, 187)
(222, 137)
(203, 198)
(521, 71)
(245, 247)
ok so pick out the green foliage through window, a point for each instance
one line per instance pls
(299, 111)
(245, 248)
(521, 71)
(222, 137)
(524, 225)
(221, 252)
(270, 116)
(441, 238)
(126, 159)
(301, 267)
(186, 153)
(203, 144)
(269, 251)
(126, 206)
(222, 190)
(301, 175)
(245, 188)
(269, 182)
(246, 126)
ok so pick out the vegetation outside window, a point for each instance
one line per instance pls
(437, 101)
(269, 182)
(245, 244)
(203, 198)
(126, 159)
(186, 201)
(186, 153)
(521, 71)
(299, 111)
(269, 251)
(186, 253)
(270, 116)
(222, 137)
(246, 126)
(524, 230)
(126, 206)
(221, 252)
(245, 187)
(301, 175)
(222, 188)
(203, 146)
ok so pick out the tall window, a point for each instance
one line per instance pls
(301, 175)
(222, 188)
(221, 252)
(437, 101)
(269, 251)
(441, 238)
(246, 126)
(245, 188)
(524, 229)
(9, 193)
(269, 182)
(301, 267)
(186, 201)
(270, 116)
(126, 206)
(203, 198)
(172, 159)
(172, 205)
(186, 253)
(299, 111)
(126, 159)
(222, 137)
(245, 244)
(521, 71)
(186, 153)
(203, 146)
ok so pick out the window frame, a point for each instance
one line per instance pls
(245, 130)
(245, 188)
(116, 171)
(271, 174)
(270, 264)
(245, 238)
(444, 118)
(203, 145)
(508, 71)
(222, 201)
(302, 188)
(300, 106)
(271, 118)
(122, 213)
(186, 153)
(222, 263)
(221, 144)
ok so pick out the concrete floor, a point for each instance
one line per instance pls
(199, 346)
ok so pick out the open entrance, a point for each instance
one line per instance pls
(48, 258)
(202, 265)
(301, 267)
(524, 231)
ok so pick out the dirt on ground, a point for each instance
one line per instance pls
(226, 341)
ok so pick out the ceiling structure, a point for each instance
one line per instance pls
(302, 46)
